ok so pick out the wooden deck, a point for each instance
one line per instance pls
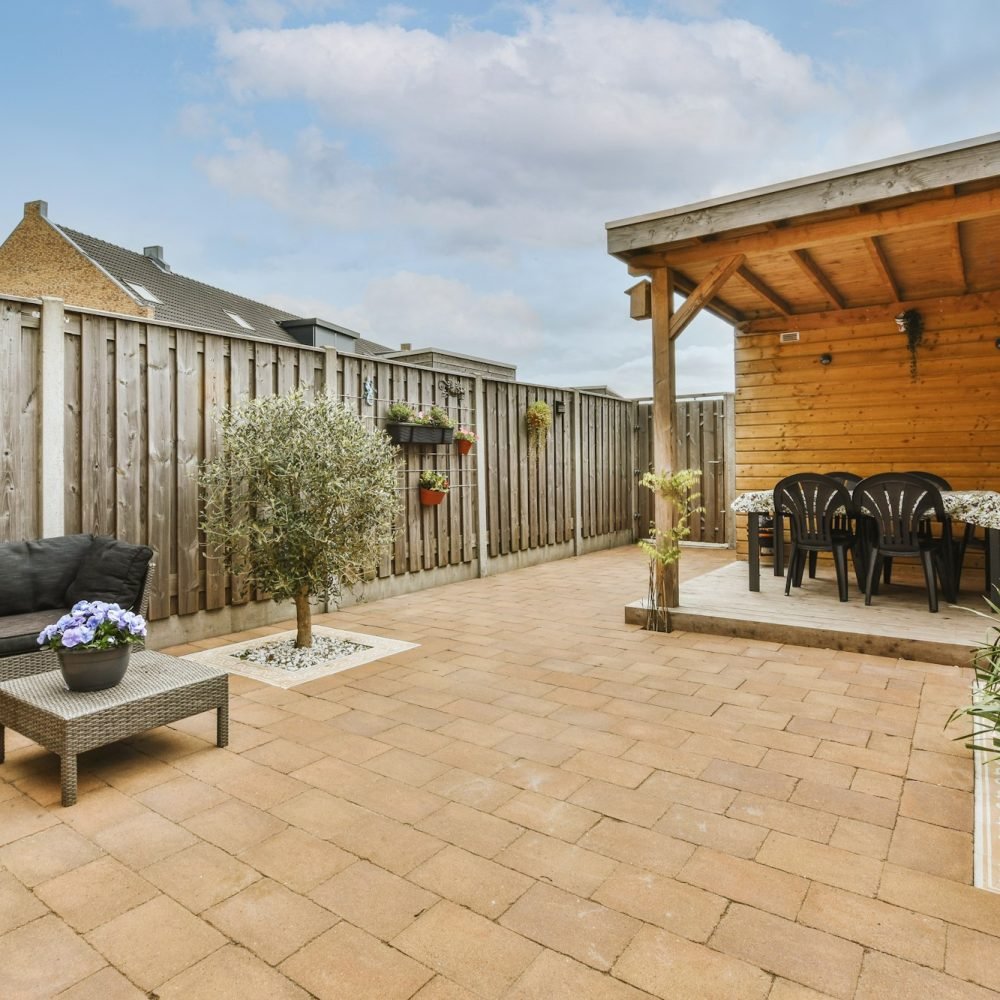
(897, 623)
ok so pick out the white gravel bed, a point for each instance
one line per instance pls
(283, 654)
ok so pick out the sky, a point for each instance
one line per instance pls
(441, 173)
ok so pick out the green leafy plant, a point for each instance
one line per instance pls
(436, 417)
(432, 480)
(301, 500)
(677, 488)
(538, 418)
(465, 434)
(985, 707)
(400, 413)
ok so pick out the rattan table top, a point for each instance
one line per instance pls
(149, 674)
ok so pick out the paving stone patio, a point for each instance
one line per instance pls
(540, 802)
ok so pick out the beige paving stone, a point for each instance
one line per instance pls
(468, 949)
(637, 846)
(675, 759)
(17, 905)
(535, 777)
(388, 844)
(608, 769)
(231, 973)
(472, 881)
(440, 988)
(972, 955)
(732, 836)
(320, 813)
(822, 863)
(689, 791)
(155, 941)
(785, 990)
(262, 787)
(932, 849)
(182, 798)
(471, 789)
(107, 984)
(373, 899)
(481, 760)
(670, 967)
(395, 799)
(940, 769)
(21, 817)
(234, 826)
(141, 841)
(568, 866)
(887, 786)
(270, 919)
(951, 901)
(94, 893)
(657, 899)
(642, 806)
(477, 832)
(749, 779)
(844, 802)
(884, 976)
(297, 859)
(200, 876)
(947, 807)
(875, 924)
(799, 821)
(862, 838)
(745, 882)
(587, 931)
(283, 755)
(552, 817)
(557, 977)
(46, 854)
(42, 958)
(407, 767)
(414, 739)
(798, 953)
(820, 772)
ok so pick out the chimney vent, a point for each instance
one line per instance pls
(406, 347)
(155, 254)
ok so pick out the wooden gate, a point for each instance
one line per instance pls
(703, 439)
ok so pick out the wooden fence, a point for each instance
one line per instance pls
(104, 421)
(703, 439)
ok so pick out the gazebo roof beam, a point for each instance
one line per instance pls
(957, 256)
(704, 292)
(815, 274)
(764, 290)
(882, 266)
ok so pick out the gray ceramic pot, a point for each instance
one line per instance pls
(93, 669)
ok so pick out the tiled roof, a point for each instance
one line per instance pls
(193, 303)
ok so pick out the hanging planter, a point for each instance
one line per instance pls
(465, 439)
(538, 418)
(911, 322)
(404, 426)
(433, 487)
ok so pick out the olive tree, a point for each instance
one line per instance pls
(300, 500)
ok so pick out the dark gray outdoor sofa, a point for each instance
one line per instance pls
(41, 579)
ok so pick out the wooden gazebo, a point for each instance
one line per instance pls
(812, 274)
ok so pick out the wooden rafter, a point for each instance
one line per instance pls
(882, 266)
(815, 274)
(718, 306)
(764, 290)
(932, 212)
(955, 252)
(705, 291)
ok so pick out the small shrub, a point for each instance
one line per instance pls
(437, 417)
(400, 413)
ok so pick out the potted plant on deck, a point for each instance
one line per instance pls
(433, 487)
(465, 439)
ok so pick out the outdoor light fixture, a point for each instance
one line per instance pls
(826, 359)
(560, 407)
(996, 343)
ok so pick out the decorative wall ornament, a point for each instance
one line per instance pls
(368, 391)
(452, 389)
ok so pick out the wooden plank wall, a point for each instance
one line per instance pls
(866, 412)
(700, 443)
(141, 401)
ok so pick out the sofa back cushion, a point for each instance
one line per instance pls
(111, 570)
(34, 574)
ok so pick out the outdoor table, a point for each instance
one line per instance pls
(157, 689)
(978, 507)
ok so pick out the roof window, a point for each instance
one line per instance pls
(143, 292)
(238, 319)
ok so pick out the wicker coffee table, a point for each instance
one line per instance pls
(156, 689)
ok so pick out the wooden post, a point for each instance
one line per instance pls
(330, 371)
(634, 471)
(577, 475)
(51, 451)
(480, 471)
(664, 395)
(729, 456)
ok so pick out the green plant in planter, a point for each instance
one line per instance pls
(985, 708)
(400, 413)
(432, 480)
(538, 417)
(436, 417)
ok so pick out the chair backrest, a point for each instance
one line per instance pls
(814, 505)
(938, 481)
(848, 479)
(898, 502)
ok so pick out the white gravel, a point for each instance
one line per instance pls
(282, 655)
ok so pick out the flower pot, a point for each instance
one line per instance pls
(447, 434)
(400, 433)
(464, 447)
(93, 669)
(431, 498)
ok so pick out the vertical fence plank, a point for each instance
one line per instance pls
(216, 364)
(128, 441)
(71, 428)
(241, 365)
(94, 427)
(160, 467)
(11, 368)
(189, 410)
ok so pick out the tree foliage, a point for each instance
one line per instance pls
(301, 499)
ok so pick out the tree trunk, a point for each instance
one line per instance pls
(303, 620)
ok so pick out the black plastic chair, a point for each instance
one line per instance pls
(939, 481)
(899, 503)
(848, 479)
(814, 504)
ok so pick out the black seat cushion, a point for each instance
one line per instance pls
(34, 574)
(111, 570)
(19, 633)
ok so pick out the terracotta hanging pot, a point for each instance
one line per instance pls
(431, 498)
(464, 447)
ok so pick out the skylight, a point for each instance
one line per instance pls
(143, 292)
(238, 319)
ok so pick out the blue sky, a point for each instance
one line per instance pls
(441, 173)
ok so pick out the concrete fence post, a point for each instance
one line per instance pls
(52, 407)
